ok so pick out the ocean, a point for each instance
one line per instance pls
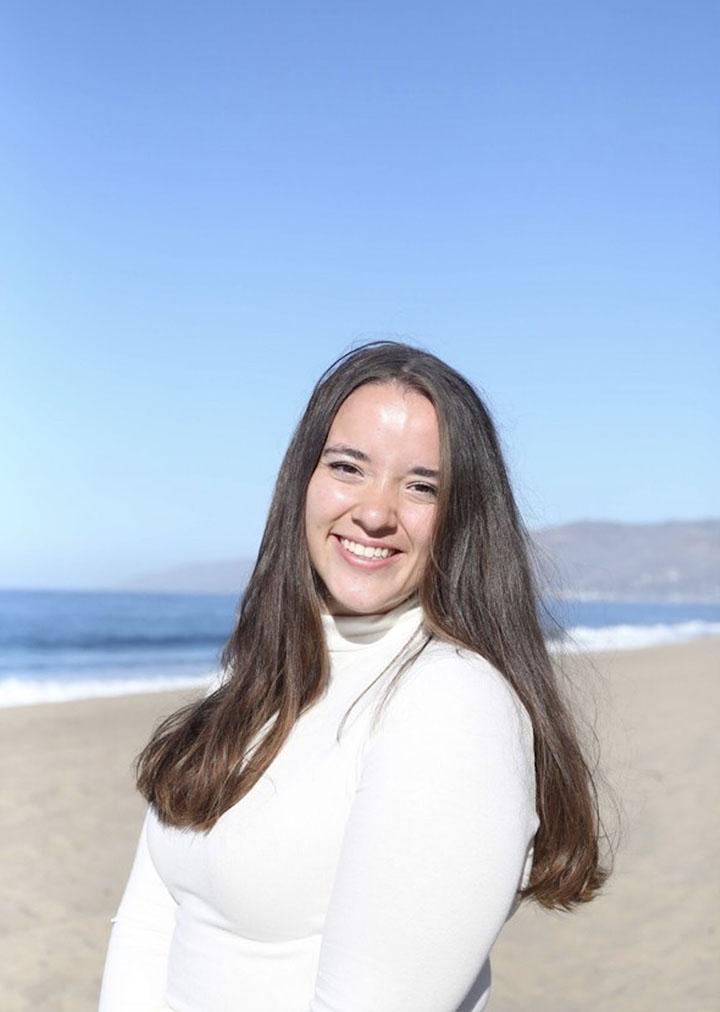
(61, 645)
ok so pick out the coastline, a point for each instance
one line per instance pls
(71, 819)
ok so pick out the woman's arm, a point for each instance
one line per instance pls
(435, 845)
(136, 964)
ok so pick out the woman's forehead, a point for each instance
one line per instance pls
(384, 416)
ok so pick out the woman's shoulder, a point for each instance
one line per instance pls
(446, 666)
(454, 711)
(459, 687)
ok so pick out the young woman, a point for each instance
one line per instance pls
(387, 768)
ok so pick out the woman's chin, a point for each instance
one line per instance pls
(343, 603)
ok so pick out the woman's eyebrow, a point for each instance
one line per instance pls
(351, 451)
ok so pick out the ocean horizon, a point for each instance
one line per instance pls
(58, 645)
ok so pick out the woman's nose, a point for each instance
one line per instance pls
(376, 510)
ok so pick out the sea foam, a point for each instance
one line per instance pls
(582, 639)
(16, 690)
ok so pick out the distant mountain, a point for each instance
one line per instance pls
(673, 561)
(199, 578)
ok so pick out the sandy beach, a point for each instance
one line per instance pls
(70, 820)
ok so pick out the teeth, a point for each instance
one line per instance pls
(365, 551)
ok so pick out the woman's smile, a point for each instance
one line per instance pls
(367, 555)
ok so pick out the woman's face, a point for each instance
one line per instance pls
(371, 502)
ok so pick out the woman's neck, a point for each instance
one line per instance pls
(353, 631)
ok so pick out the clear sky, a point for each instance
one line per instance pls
(205, 204)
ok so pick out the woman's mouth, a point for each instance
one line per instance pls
(366, 556)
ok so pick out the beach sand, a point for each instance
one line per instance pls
(70, 820)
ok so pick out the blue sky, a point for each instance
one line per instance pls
(205, 204)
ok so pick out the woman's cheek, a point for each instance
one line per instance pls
(420, 521)
(340, 496)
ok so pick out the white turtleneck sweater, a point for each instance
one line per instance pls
(371, 874)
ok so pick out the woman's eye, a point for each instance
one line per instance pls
(342, 467)
(424, 489)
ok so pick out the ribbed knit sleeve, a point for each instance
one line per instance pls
(135, 976)
(437, 844)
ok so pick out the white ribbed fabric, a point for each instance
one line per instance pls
(371, 874)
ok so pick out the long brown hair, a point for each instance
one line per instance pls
(477, 591)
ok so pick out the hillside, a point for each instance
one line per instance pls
(673, 561)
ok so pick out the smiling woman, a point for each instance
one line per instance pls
(388, 768)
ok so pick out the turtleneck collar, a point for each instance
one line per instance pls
(353, 632)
